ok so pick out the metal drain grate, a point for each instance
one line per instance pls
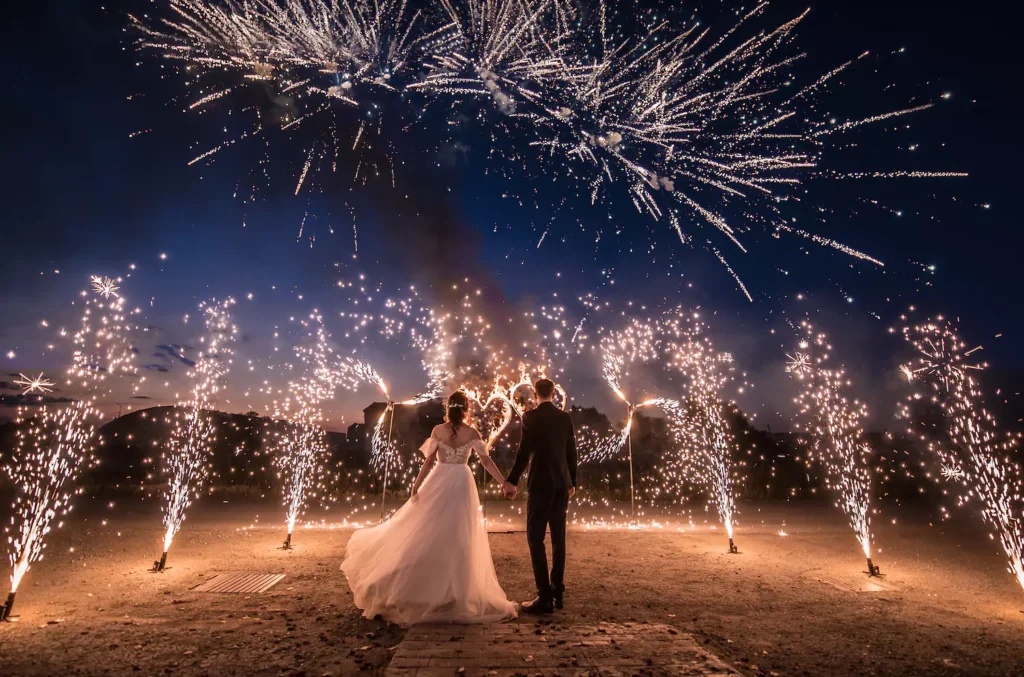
(246, 583)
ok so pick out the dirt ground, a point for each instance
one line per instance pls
(797, 604)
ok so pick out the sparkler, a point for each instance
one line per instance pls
(186, 459)
(55, 444)
(835, 423)
(688, 123)
(973, 451)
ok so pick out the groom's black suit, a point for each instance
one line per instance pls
(549, 441)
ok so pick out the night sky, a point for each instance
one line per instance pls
(81, 196)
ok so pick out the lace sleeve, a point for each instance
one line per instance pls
(480, 448)
(429, 448)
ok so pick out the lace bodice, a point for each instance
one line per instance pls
(446, 453)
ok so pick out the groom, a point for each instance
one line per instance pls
(549, 440)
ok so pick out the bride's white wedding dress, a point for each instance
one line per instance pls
(431, 561)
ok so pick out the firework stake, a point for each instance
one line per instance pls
(387, 462)
(873, 569)
(629, 447)
(5, 610)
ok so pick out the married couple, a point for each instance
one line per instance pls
(431, 562)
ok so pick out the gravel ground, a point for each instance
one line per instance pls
(788, 605)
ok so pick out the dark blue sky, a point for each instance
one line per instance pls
(80, 196)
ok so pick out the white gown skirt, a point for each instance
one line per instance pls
(431, 562)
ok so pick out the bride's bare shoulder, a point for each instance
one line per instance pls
(439, 431)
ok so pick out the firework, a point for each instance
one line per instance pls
(835, 422)
(38, 384)
(706, 442)
(55, 443)
(507, 50)
(105, 286)
(973, 451)
(186, 460)
(300, 449)
(637, 343)
(686, 123)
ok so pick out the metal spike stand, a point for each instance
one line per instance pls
(387, 462)
(5, 610)
(873, 569)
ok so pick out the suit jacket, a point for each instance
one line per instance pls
(548, 440)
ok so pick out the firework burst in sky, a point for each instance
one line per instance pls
(699, 128)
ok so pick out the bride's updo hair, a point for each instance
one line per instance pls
(456, 409)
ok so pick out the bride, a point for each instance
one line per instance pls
(431, 561)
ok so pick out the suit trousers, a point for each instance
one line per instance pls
(547, 508)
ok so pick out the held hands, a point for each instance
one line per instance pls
(509, 490)
(572, 491)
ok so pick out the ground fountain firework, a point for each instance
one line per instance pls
(57, 441)
(301, 448)
(186, 459)
(835, 424)
(974, 452)
(705, 441)
(636, 344)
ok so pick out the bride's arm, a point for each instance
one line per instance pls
(486, 461)
(428, 465)
(492, 468)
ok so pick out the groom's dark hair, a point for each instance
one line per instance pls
(545, 388)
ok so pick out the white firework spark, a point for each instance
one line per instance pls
(38, 384)
(105, 286)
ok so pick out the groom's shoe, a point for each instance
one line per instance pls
(558, 600)
(539, 606)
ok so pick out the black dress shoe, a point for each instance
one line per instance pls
(558, 600)
(538, 606)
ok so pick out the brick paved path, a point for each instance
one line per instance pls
(532, 648)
